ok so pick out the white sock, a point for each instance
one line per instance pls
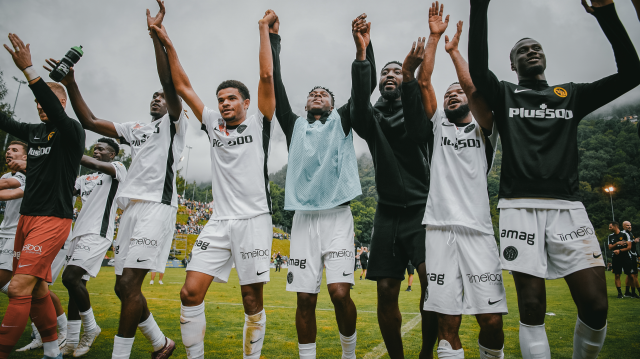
(587, 342)
(152, 332)
(254, 328)
(88, 320)
(5, 289)
(62, 325)
(445, 350)
(35, 331)
(193, 325)
(307, 351)
(533, 342)
(122, 347)
(51, 348)
(349, 346)
(73, 332)
(486, 353)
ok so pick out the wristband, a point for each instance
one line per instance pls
(30, 73)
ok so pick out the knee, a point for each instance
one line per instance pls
(387, 292)
(126, 289)
(340, 298)
(189, 297)
(307, 302)
(491, 323)
(531, 305)
(70, 280)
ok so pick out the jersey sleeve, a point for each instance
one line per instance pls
(181, 124)
(20, 177)
(125, 131)
(437, 119)
(121, 171)
(78, 183)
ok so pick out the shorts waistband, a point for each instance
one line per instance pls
(340, 208)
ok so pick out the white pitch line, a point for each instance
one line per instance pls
(381, 349)
(266, 306)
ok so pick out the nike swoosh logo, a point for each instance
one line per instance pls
(252, 342)
(36, 138)
(181, 322)
(2, 263)
(492, 303)
(597, 256)
(262, 272)
(518, 91)
(345, 274)
(26, 265)
(138, 260)
(76, 259)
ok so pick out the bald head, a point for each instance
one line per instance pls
(626, 225)
(58, 90)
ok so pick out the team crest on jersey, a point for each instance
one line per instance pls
(560, 92)
(290, 278)
(92, 178)
(50, 135)
(448, 124)
(510, 253)
(241, 128)
(470, 128)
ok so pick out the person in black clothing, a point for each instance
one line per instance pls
(401, 160)
(278, 262)
(620, 243)
(539, 181)
(632, 280)
(55, 148)
(364, 261)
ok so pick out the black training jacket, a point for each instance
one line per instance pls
(53, 161)
(538, 123)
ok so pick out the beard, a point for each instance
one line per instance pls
(391, 95)
(457, 114)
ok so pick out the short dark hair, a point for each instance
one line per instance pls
(391, 62)
(333, 100)
(455, 83)
(244, 91)
(20, 143)
(614, 223)
(111, 143)
(513, 49)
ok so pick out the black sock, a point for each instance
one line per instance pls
(619, 291)
(626, 290)
(409, 287)
(633, 290)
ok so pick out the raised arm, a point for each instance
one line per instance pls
(363, 78)
(599, 93)
(11, 126)
(416, 122)
(100, 166)
(284, 113)
(477, 104)
(181, 81)
(269, 24)
(174, 105)
(485, 81)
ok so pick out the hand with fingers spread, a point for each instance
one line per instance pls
(156, 20)
(450, 46)
(68, 79)
(21, 54)
(413, 59)
(270, 19)
(436, 25)
(361, 31)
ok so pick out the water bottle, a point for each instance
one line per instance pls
(62, 68)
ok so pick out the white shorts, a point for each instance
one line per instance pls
(321, 239)
(87, 252)
(144, 236)
(6, 253)
(61, 259)
(245, 242)
(464, 272)
(548, 243)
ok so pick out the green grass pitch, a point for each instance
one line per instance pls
(225, 319)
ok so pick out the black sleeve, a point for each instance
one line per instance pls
(363, 83)
(69, 128)
(13, 127)
(284, 113)
(599, 93)
(485, 81)
(418, 126)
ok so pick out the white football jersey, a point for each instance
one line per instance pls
(12, 208)
(461, 160)
(97, 192)
(240, 182)
(156, 148)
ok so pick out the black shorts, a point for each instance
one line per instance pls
(410, 269)
(620, 266)
(398, 237)
(633, 266)
(364, 264)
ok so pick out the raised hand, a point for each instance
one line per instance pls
(436, 25)
(595, 3)
(271, 19)
(161, 32)
(156, 20)
(453, 44)
(17, 165)
(413, 59)
(68, 79)
(22, 54)
(361, 31)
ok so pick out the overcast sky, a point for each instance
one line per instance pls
(218, 40)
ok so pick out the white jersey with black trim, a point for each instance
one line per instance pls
(462, 157)
(240, 182)
(97, 192)
(156, 148)
(12, 209)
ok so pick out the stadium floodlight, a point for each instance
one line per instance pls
(610, 190)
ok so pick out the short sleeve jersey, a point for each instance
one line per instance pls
(97, 192)
(462, 158)
(620, 240)
(240, 182)
(633, 251)
(156, 148)
(12, 209)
